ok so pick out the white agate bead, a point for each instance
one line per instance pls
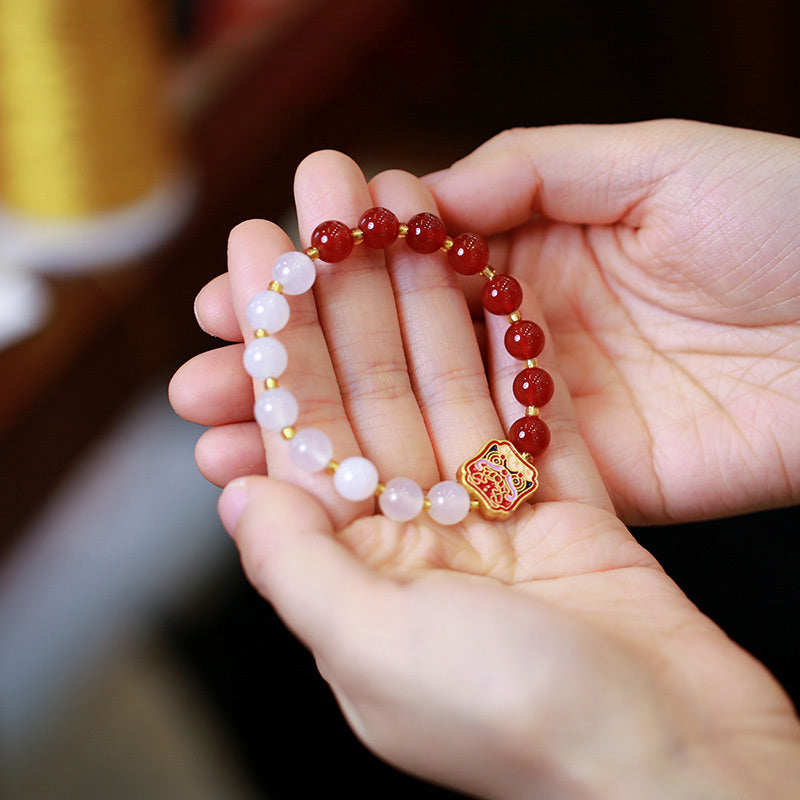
(310, 450)
(356, 478)
(268, 310)
(265, 358)
(449, 502)
(276, 409)
(402, 500)
(295, 272)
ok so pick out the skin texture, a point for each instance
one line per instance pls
(547, 656)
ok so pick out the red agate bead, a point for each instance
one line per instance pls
(501, 295)
(529, 435)
(379, 226)
(426, 233)
(524, 339)
(533, 387)
(333, 240)
(469, 254)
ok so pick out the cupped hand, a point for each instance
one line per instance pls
(666, 257)
(545, 656)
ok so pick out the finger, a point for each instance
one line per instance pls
(225, 452)
(315, 584)
(571, 474)
(566, 469)
(585, 174)
(448, 375)
(253, 248)
(212, 388)
(213, 309)
(356, 307)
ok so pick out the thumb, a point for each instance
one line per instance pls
(292, 557)
(582, 174)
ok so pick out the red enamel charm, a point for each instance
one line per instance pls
(499, 478)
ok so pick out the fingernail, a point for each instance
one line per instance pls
(197, 317)
(232, 502)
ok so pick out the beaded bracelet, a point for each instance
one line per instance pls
(495, 481)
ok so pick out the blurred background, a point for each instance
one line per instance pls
(135, 661)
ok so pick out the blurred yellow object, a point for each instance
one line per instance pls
(83, 129)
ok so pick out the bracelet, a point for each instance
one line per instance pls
(496, 480)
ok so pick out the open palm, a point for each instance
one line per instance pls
(666, 256)
(548, 652)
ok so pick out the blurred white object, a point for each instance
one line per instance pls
(98, 241)
(131, 531)
(24, 303)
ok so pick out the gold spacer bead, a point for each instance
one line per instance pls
(426, 504)
(488, 272)
(271, 383)
(331, 467)
(514, 316)
(474, 505)
(288, 433)
(448, 244)
(379, 490)
(260, 333)
(403, 232)
(276, 286)
(528, 457)
(358, 235)
(532, 363)
(531, 411)
(312, 253)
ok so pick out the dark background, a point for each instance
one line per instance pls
(449, 76)
(426, 88)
